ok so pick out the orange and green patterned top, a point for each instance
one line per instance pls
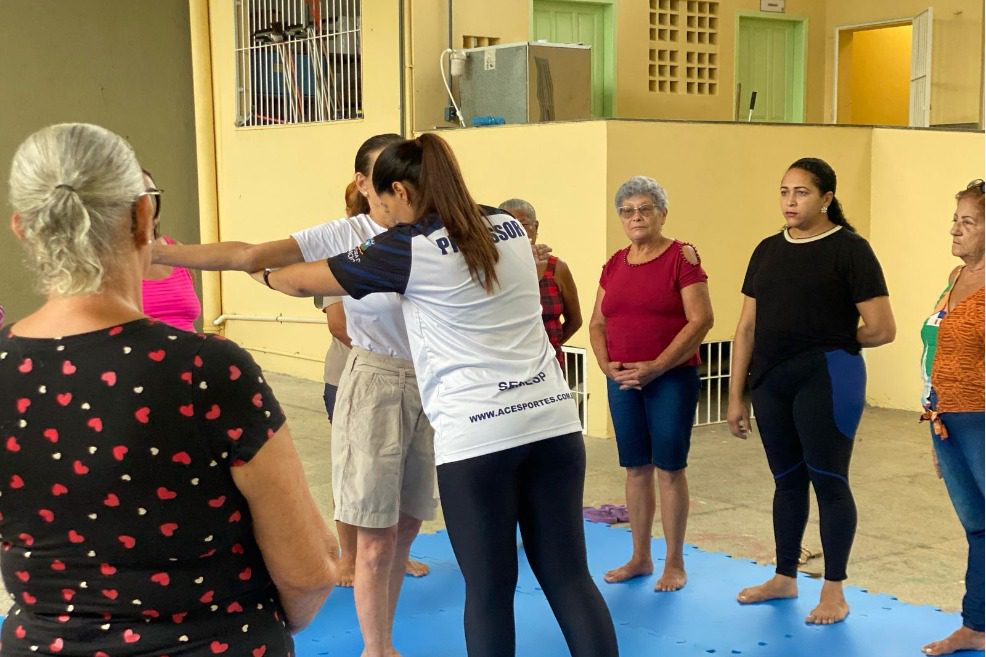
(953, 360)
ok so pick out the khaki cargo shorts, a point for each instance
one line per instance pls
(383, 451)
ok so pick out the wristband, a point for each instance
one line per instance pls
(267, 271)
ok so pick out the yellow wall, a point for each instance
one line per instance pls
(721, 178)
(722, 182)
(275, 180)
(878, 76)
(957, 50)
(915, 175)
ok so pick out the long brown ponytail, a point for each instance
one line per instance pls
(428, 165)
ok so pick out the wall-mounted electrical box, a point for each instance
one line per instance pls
(527, 82)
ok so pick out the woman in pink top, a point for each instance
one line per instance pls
(168, 292)
(652, 312)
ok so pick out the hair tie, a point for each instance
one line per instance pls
(64, 186)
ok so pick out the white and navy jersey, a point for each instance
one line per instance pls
(489, 379)
(375, 324)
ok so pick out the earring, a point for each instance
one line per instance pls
(825, 209)
(151, 241)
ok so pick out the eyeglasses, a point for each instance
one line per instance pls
(628, 211)
(978, 184)
(156, 193)
(150, 191)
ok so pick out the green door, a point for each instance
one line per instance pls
(588, 23)
(770, 60)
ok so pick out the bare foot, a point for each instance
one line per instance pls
(832, 606)
(779, 587)
(347, 573)
(963, 638)
(629, 570)
(417, 569)
(672, 579)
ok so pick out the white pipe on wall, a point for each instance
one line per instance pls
(284, 319)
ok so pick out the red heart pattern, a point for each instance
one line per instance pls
(135, 453)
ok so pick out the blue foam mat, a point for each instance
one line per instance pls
(702, 619)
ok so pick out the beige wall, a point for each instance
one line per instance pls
(635, 101)
(117, 63)
(722, 180)
(957, 50)
(915, 175)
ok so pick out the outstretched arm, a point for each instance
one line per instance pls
(306, 279)
(229, 256)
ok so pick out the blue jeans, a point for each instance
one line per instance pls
(961, 459)
(654, 425)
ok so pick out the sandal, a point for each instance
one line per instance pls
(807, 555)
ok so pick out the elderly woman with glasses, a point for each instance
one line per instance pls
(651, 314)
(152, 499)
(953, 400)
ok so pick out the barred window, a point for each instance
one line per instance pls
(298, 61)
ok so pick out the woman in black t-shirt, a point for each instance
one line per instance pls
(798, 341)
(151, 499)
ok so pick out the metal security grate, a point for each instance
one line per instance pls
(574, 370)
(298, 61)
(713, 396)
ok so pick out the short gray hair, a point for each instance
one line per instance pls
(73, 186)
(643, 186)
(519, 204)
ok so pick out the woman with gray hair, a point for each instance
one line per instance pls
(651, 314)
(560, 309)
(151, 497)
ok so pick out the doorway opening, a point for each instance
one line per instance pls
(882, 73)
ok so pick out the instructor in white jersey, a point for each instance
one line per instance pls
(508, 443)
(383, 468)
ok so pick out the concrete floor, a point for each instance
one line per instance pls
(909, 543)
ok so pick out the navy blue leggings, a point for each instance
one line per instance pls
(538, 486)
(808, 409)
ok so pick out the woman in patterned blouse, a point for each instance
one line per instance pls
(560, 309)
(953, 401)
(151, 499)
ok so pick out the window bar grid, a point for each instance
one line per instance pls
(714, 377)
(575, 374)
(298, 61)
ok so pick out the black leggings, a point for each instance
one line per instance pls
(807, 410)
(539, 486)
